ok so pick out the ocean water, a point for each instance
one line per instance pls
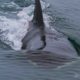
(16, 64)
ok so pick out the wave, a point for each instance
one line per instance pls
(9, 7)
(4, 46)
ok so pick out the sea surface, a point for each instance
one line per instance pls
(16, 64)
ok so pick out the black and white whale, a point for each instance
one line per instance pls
(37, 26)
(42, 39)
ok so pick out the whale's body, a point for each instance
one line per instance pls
(44, 39)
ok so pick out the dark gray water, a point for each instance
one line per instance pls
(22, 65)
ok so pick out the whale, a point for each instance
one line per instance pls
(43, 40)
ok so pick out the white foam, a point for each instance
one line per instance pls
(16, 30)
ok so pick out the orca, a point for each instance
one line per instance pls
(42, 39)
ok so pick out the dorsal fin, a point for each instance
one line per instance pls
(38, 16)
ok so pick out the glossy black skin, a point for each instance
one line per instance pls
(37, 22)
